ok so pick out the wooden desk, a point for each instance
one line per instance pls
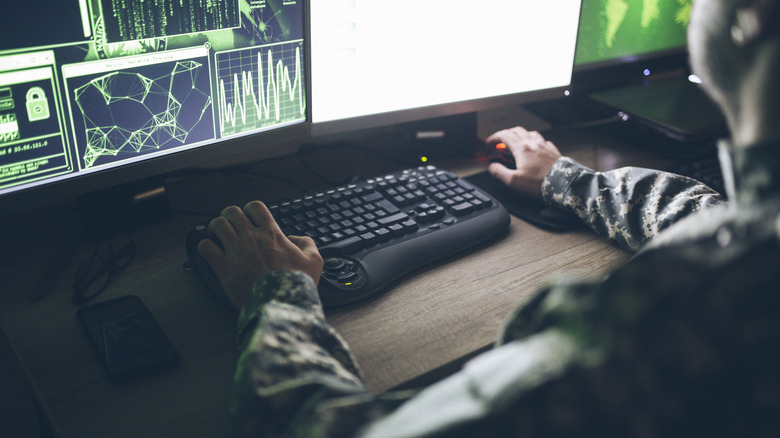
(423, 323)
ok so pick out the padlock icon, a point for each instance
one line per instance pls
(37, 104)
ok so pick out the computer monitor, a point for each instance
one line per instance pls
(627, 30)
(383, 62)
(623, 41)
(95, 93)
(632, 58)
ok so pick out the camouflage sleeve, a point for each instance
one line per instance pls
(627, 206)
(295, 374)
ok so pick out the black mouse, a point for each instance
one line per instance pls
(500, 153)
(201, 267)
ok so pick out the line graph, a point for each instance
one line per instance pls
(260, 87)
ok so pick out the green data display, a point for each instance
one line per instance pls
(108, 83)
(616, 29)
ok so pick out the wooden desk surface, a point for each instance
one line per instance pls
(422, 323)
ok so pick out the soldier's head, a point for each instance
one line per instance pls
(735, 49)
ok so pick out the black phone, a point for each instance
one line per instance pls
(128, 340)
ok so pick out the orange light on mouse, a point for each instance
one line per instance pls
(501, 146)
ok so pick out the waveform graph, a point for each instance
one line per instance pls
(260, 87)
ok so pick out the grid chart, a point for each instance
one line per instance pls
(260, 87)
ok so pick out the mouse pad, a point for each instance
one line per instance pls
(528, 209)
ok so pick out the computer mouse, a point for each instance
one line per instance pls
(201, 267)
(500, 153)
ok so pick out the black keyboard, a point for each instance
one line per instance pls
(705, 169)
(372, 232)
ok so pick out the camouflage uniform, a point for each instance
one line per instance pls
(628, 206)
(683, 340)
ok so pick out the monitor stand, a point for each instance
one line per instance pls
(123, 208)
(452, 136)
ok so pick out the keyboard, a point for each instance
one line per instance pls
(705, 169)
(372, 232)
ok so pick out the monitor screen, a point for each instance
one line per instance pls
(378, 62)
(615, 31)
(124, 89)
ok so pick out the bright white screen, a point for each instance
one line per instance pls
(376, 56)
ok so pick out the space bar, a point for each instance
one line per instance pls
(345, 246)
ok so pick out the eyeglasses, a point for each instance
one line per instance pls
(94, 275)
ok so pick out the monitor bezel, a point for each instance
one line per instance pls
(367, 122)
(630, 69)
(643, 58)
(30, 198)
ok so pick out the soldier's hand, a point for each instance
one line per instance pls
(254, 245)
(534, 157)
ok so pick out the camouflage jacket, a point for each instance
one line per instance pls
(628, 206)
(682, 340)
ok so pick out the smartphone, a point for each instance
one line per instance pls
(127, 338)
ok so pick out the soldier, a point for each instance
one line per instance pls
(682, 340)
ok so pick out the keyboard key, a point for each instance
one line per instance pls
(345, 246)
(382, 234)
(368, 238)
(396, 229)
(387, 206)
(410, 225)
(462, 209)
(398, 200)
(388, 220)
